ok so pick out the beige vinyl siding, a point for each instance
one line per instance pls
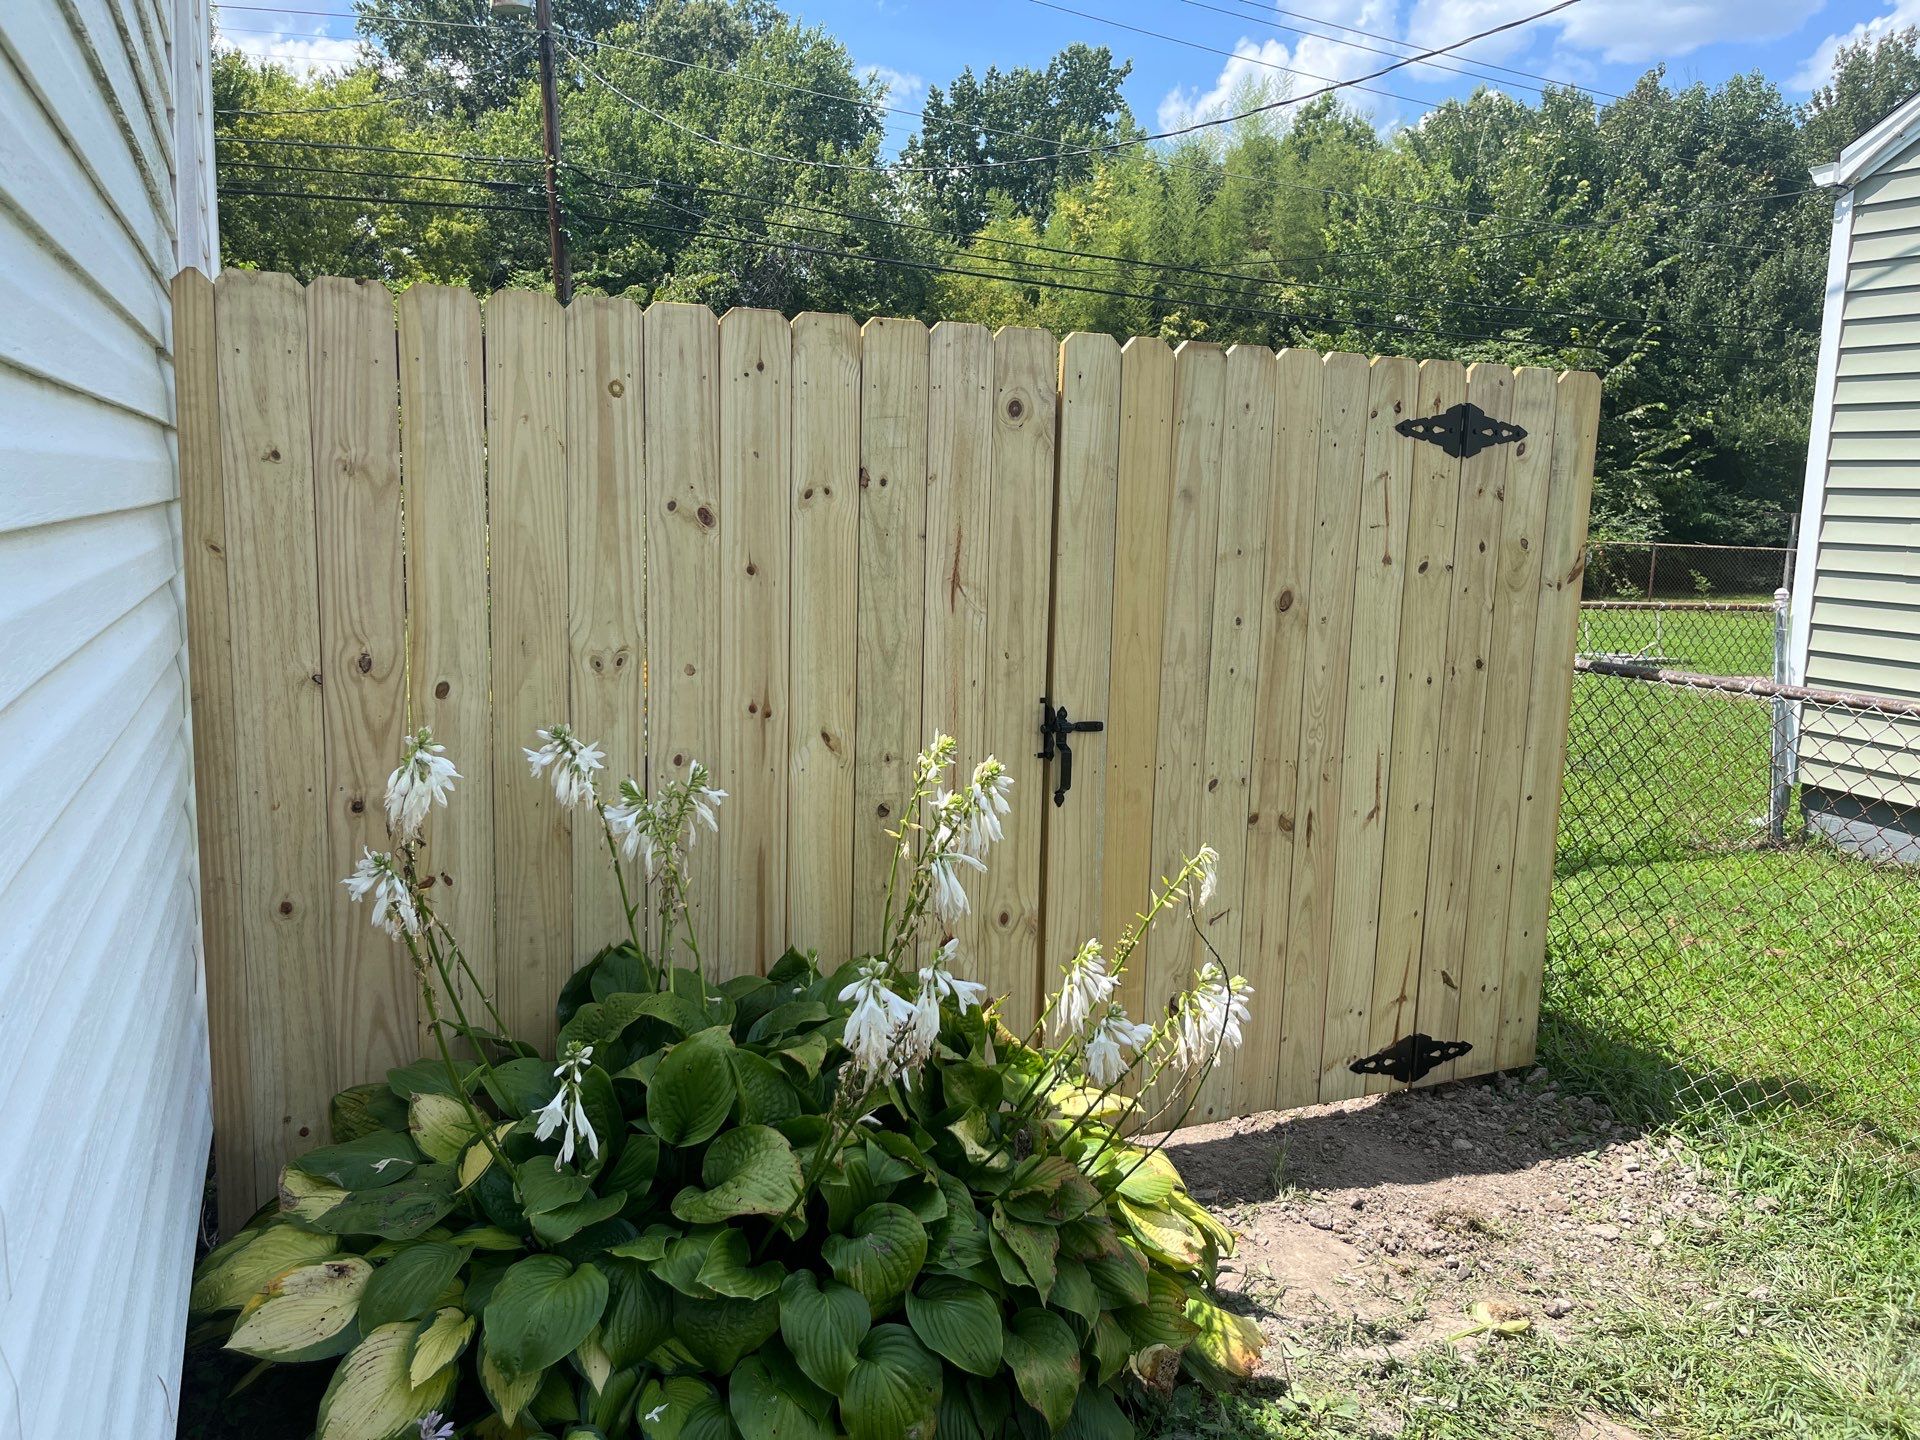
(101, 1005)
(1865, 630)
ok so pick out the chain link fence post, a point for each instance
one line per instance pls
(1780, 793)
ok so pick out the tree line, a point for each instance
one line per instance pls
(719, 151)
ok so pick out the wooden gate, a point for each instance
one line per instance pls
(792, 550)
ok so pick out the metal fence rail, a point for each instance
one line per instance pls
(1736, 917)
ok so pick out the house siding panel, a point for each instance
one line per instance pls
(102, 1011)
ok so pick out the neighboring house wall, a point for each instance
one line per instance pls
(105, 1121)
(1858, 582)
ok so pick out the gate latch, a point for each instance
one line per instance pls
(1410, 1057)
(1462, 430)
(1056, 731)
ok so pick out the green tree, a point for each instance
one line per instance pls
(1871, 79)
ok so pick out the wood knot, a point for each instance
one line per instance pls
(272, 455)
(752, 569)
(1525, 543)
(883, 810)
(807, 494)
(759, 365)
(286, 907)
(1421, 568)
(365, 662)
(689, 669)
(1285, 822)
(1285, 602)
(304, 1132)
(1005, 918)
(865, 479)
(1016, 407)
(357, 805)
(706, 516)
(679, 760)
(315, 677)
(616, 388)
(672, 505)
(753, 707)
(442, 690)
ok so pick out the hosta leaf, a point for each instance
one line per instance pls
(562, 1224)
(763, 1409)
(882, 1255)
(406, 1287)
(592, 1360)
(665, 1405)
(1026, 1254)
(544, 1186)
(1111, 1346)
(633, 1172)
(520, 1087)
(394, 1212)
(893, 1392)
(1045, 1360)
(440, 1342)
(766, 1095)
(440, 1126)
(718, 1332)
(1121, 1278)
(540, 1310)
(306, 1314)
(428, 1076)
(242, 1267)
(823, 1326)
(639, 1314)
(959, 1240)
(362, 1109)
(372, 1395)
(1164, 1234)
(1163, 1319)
(727, 1271)
(1226, 1348)
(1097, 1416)
(510, 1393)
(302, 1197)
(958, 1321)
(1150, 1176)
(368, 1163)
(477, 1159)
(1074, 1291)
(692, 1091)
(748, 1171)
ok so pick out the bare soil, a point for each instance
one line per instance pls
(1370, 1228)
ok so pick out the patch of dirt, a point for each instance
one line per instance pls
(1371, 1227)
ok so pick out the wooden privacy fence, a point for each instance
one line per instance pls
(793, 551)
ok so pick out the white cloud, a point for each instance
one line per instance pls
(903, 87)
(1633, 32)
(1270, 65)
(1818, 68)
(304, 55)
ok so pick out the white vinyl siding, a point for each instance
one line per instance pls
(1865, 625)
(102, 1016)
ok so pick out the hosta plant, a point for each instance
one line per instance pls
(830, 1200)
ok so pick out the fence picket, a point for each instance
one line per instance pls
(890, 650)
(824, 499)
(355, 395)
(756, 354)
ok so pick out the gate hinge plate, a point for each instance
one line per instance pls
(1462, 430)
(1410, 1057)
(1056, 732)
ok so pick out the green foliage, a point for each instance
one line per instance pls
(729, 1263)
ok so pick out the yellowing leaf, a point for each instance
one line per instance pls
(250, 1261)
(373, 1397)
(1227, 1349)
(478, 1156)
(1163, 1234)
(307, 1197)
(440, 1125)
(439, 1344)
(594, 1361)
(305, 1313)
(509, 1394)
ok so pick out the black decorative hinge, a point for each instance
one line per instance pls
(1410, 1057)
(1055, 732)
(1462, 430)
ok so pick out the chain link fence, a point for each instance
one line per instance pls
(1659, 570)
(1736, 917)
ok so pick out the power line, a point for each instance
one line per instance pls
(235, 137)
(490, 185)
(378, 200)
(332, 15)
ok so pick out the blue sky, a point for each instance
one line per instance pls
(1598, 43)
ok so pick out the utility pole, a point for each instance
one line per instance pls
(550, 127)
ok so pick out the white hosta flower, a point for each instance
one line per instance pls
(632, 822)
(435, 1426)
(935, 758)
(1088, 986)
(939, 977)
(1112, 1045)
(652, 1417)
(949, 897)
(1209, 864)
(1212, 1017)
(393, 908)
(425, 775)
(567, 1112)
(705, 801)
(568, 761)
(879, 1016)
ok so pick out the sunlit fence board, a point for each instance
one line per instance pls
(795, 550)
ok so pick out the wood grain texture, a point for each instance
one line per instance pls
(203, 522)
(528, 444)
(750, 931)
(891, 644)
(1318, 802)
(353, 371)
(1503, 726)
(684, 563)
(1563, 552)
(1462, 710)
(1427, 592)
(1239, 577)
(1373, 675)
(824, 498)
(1082, 644)
(443, 465)
(287, 888)
(1019, 555)
(1186, 648)
(1139, 570)
(1274, 777)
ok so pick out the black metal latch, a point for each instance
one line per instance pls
(1410, 1057)
(1055, 732)
(1462, 430)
